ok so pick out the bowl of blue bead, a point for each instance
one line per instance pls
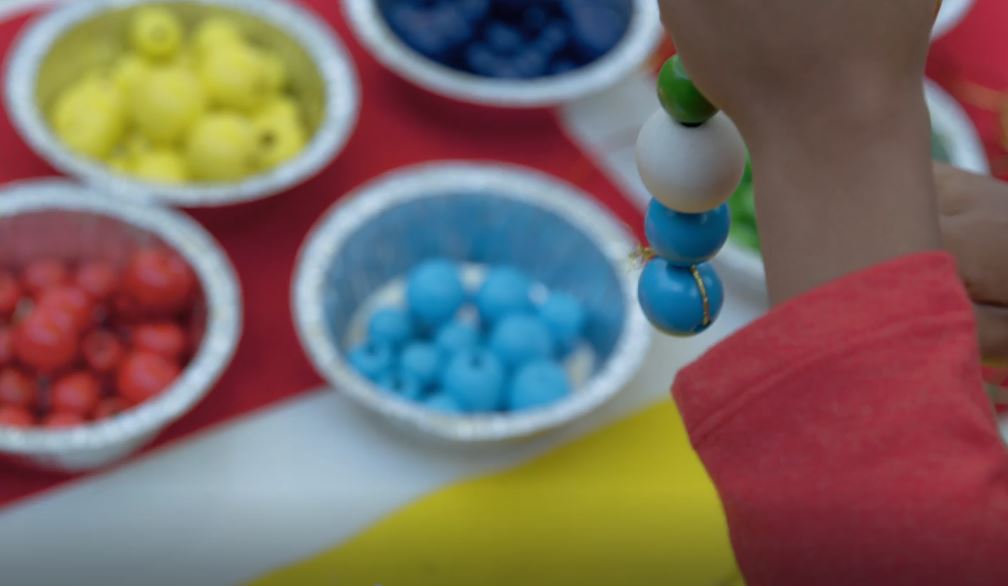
(472, 302)
(509, 53)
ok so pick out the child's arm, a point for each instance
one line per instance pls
(847, 432)
(850, 439)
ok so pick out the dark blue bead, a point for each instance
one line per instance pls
(534, 19)
(473, 10)
(433, 32)
(530, 63)
(480, 60)
(561, 66)
(503, 39)
(597, 25)
(686, 239)
(552, 39)
(671, 298)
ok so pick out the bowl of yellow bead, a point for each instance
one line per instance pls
(185, 102)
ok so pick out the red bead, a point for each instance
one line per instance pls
(63, 420)
(42, 274)
(78, 392)
(10, 295)
(160, 281)
(45, 341)
(98, 278)
(109, 407)
(143, 375)
(15, 417)
(102, 351)
(165, 338)
(6, 346)
(17, 389)
(70, 302)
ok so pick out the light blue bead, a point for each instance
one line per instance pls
(504, 291)
(455, 337)
(421, 361)
(444, 403)
(435, 292)
(372, 359)
(565, 317)
(403, 385)
(390, 325)
(521, 338)
(685, 240)
(671, 299)
(538, 384)
(475, 380)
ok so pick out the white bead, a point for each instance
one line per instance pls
(690, 169)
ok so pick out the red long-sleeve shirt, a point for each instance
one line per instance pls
(850, 438)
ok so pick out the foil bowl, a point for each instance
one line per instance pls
(78, 36)
(636, 47)
(477, 213)
(64, 220)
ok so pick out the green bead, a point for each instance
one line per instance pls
(680, 98)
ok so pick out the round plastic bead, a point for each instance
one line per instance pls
(435, 292)
(456, 337)
(522, 338)
(690, 170)
(390, 326)
(475, 380)
(372, 359)
(504, 291)
(685, 240)
(680, 97)
(672, 300)
(422, 362)
(565, 317)
(444, 403)
(538, 384)
(403, 385)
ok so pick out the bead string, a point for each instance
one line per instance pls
(707, 320)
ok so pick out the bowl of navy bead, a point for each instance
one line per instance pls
(691, 158)
(509, 53)
(472, 302)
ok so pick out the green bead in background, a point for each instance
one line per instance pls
(680, 98)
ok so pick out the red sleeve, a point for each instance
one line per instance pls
(850, 438)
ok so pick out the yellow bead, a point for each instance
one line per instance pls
(161, 166)
(221, 147)
(166, 103)
(128, 72)
(88, 117)
(235, 76)
(155, 32)
(274, 71)
(279, 138)
(280, 107)
(214, 33)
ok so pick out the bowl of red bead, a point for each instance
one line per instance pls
(115, 320)
(191, 102)
(509, 53)
(471, 302)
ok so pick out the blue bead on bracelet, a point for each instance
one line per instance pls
(691, 158)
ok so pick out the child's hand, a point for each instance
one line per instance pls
(828, 95)
(780, 64)
(974, 223)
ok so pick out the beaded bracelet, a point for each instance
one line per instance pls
(691, 158)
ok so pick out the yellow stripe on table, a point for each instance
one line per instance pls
(628, 505)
